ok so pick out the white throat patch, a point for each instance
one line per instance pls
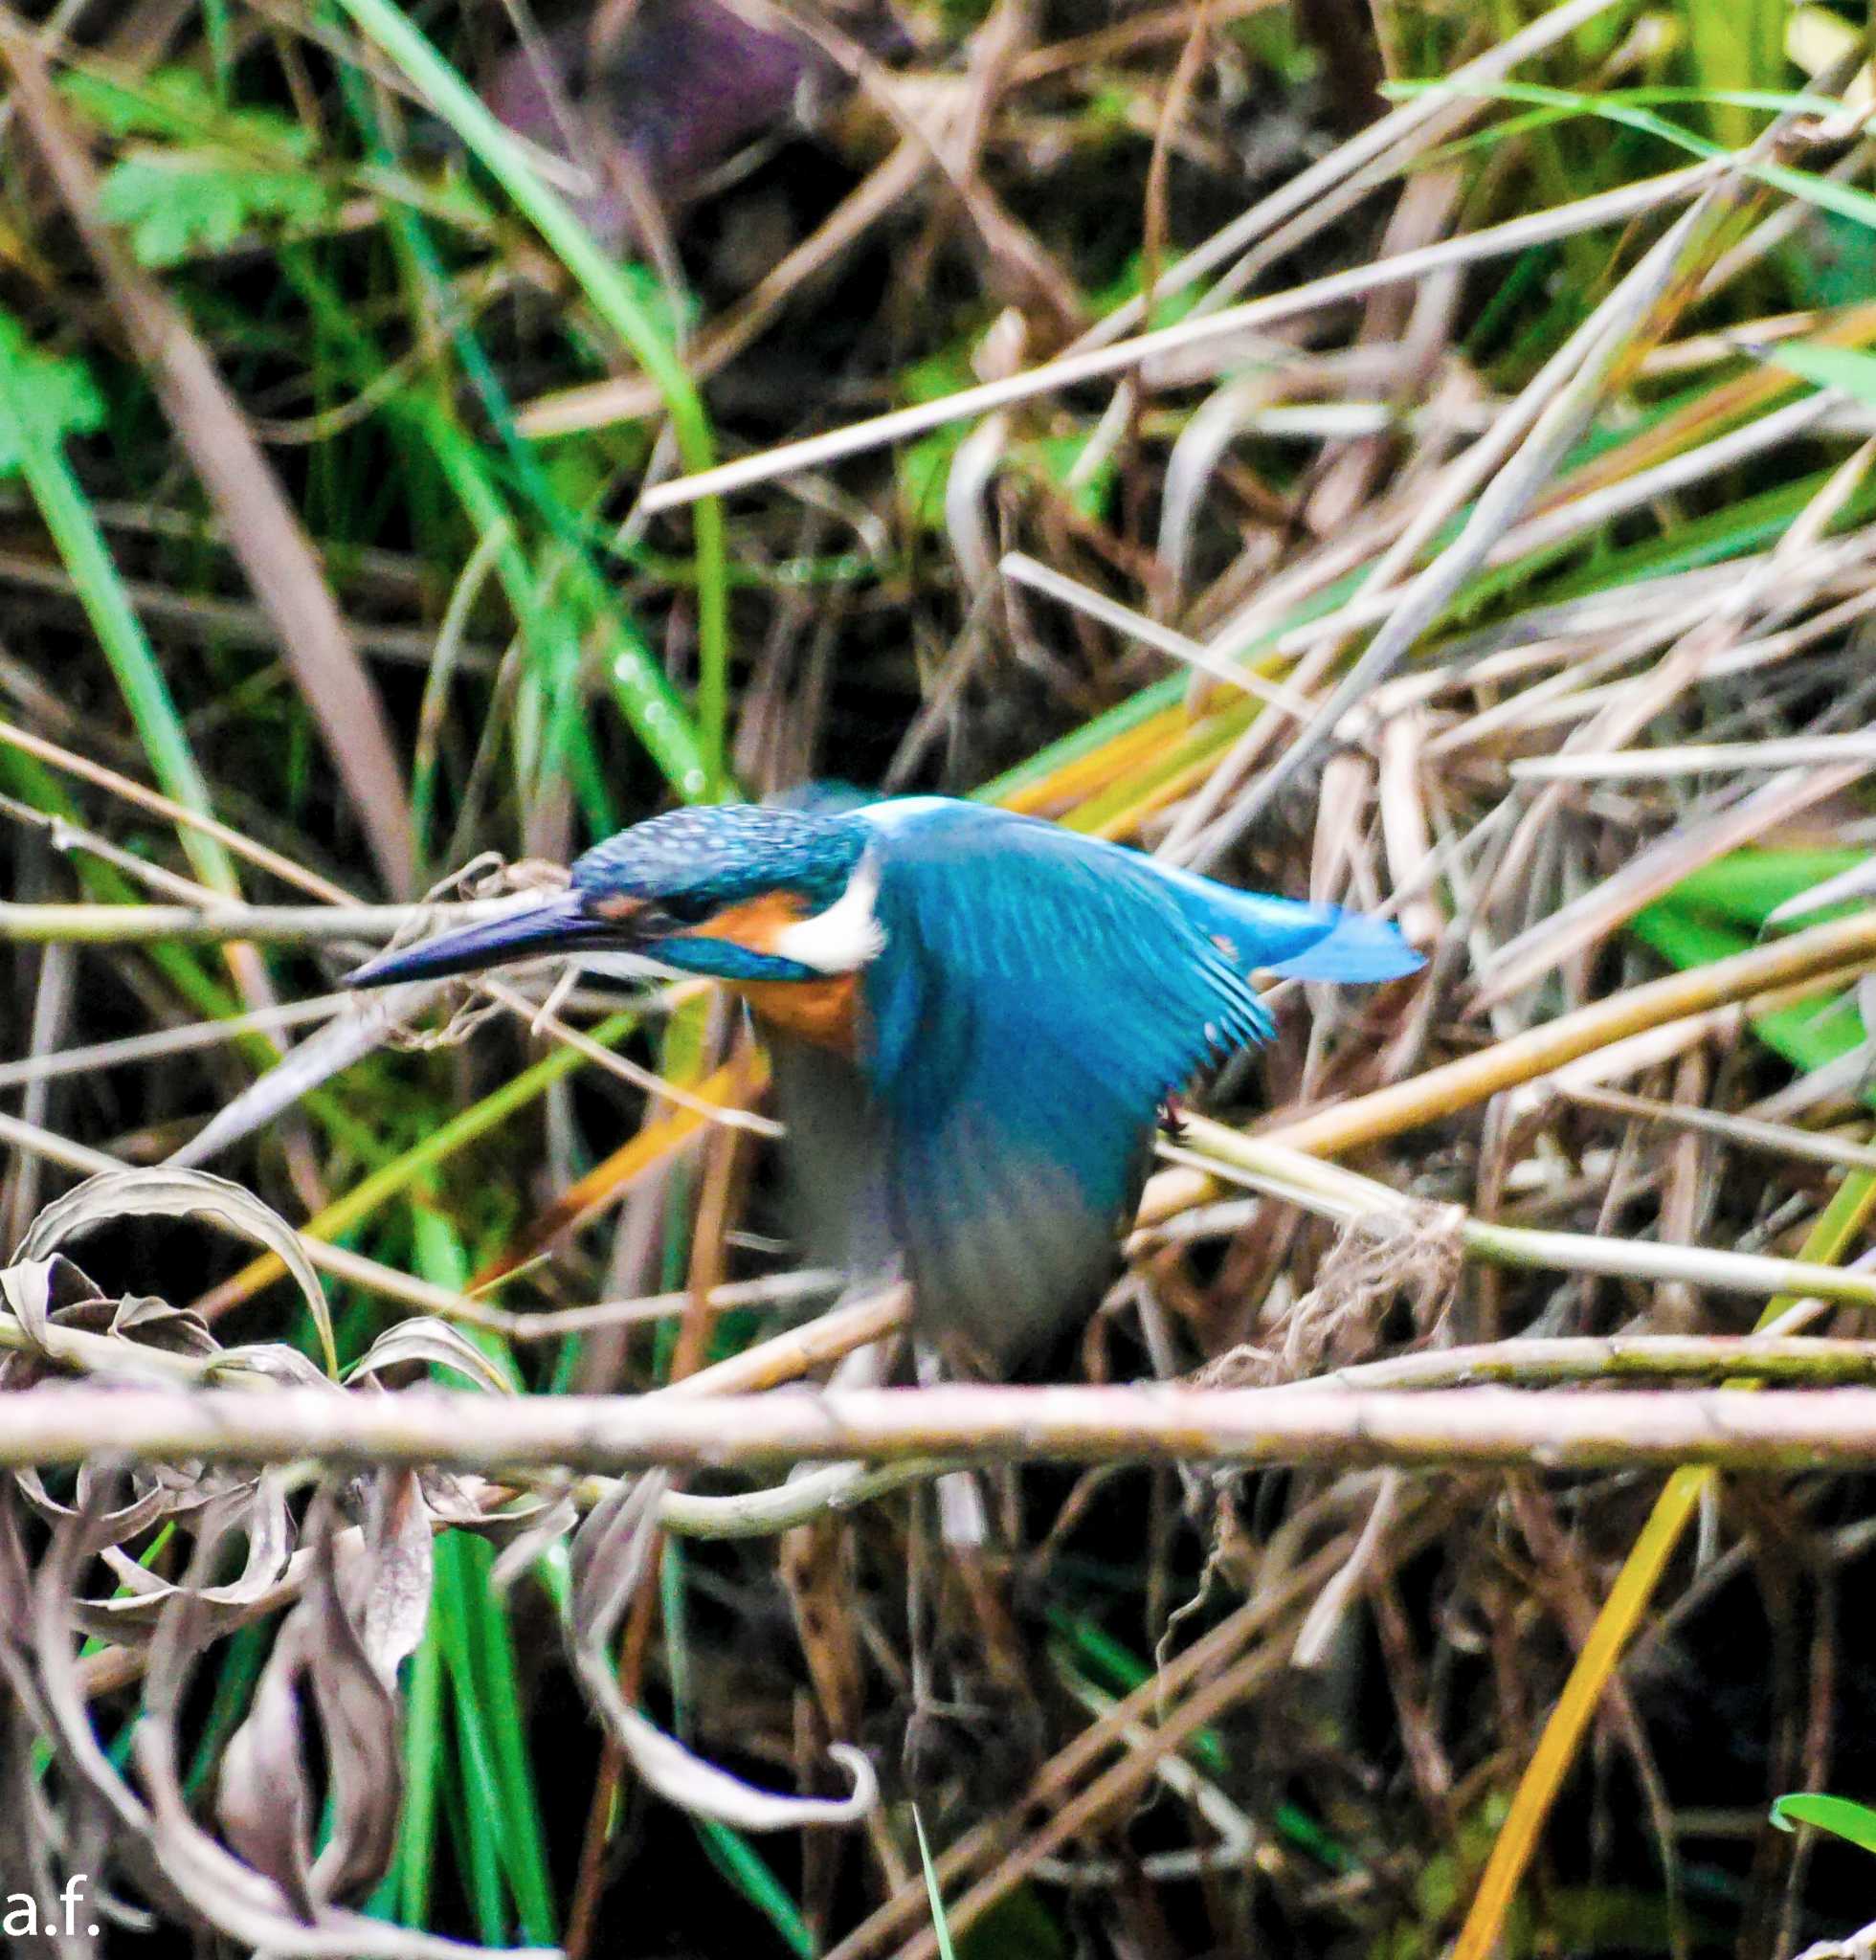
(843, 938)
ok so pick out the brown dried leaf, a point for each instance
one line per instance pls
(15, 1574)
(397, 1571)
(53, 1295)
(266, 1801)
(151, 1323)
(286, 1366)
(159, 1193)
(255, 1508)
(425, 1339)
(461, 1497)
(610, 1555)
(240, 1901)
(33, 1291)
(67, 1726)
(250, 1907)
(263, 1801)
(358, 1714)
(111, 1527)
(546, 1525)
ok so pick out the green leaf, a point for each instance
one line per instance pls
(1747, 887)
(1808, 1034)
(1846, 368)
(1055, 456)
(1018, 1926)
(177, 104)
(1826, 192)
(407, 1882)
(177, 203)
(55, 396)
(922, 468)
(1837, 1815)
(675, 315)
(491, 1726)
(478, 1651)
(480, 1817)
(1130, 283)
(938, 375)
(205, 173)
(1836, 265)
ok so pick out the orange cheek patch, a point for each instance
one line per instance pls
(756, 924)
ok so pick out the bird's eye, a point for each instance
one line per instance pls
(686, 908)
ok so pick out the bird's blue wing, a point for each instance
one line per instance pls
(1037, 999)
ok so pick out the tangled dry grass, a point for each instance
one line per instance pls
(1458, 506)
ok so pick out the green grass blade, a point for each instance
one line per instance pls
(613, 298)
(1808, 1036)
(489, 1717)
(634, 674)
(477, 1814)
(80, 541)
(1826, 192)
(238, 1671)
(414, 1863)
(744, 1866)
(940, 1928)
(1748, 887)
(28, 778)
(375, 1190)
(499, 1726)
(1735, 46)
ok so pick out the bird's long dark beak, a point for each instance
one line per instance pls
(555, 923)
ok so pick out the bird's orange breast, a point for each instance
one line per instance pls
(825, 1011)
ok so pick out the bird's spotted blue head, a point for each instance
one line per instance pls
(734, 891)
(737, 891)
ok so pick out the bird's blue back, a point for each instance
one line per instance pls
(1039, 995)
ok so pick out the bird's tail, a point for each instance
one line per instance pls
(1355, 948)
(1292, 937)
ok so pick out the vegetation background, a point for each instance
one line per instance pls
(1503, 559)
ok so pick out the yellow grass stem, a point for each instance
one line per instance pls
(1615, 1626)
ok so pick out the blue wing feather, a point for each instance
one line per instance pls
(1040, 995)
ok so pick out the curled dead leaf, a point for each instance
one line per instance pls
(164, 1193)
(612, 1554)
(425, 1339)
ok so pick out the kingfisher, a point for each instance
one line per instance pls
(975, 1020)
